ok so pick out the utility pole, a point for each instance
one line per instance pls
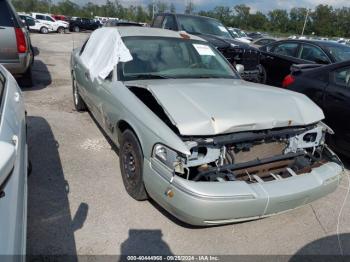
(153, 9)
(306, 17)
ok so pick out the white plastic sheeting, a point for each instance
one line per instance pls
(104, 50)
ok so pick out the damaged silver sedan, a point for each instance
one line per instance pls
(207, 146)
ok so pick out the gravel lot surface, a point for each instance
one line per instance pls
(77, 203)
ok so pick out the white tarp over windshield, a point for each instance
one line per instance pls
(104, 50)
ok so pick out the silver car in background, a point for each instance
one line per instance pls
(13, 168)
(207, 146)
(16, 53)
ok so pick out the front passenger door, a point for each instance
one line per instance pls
(337, 106)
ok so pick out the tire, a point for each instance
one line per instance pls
(79, 103)
(262, 75)
(131, 165)
(44, 30)
(76, 29)
(60, 30)
(27, 79)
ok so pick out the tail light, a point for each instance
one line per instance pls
(288, 80)
(21, 41)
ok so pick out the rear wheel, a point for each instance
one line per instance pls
(79, 103)
(44, 30)
(131, 165)
(76, 29)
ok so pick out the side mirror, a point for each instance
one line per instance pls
(7, 163)
(240, 68)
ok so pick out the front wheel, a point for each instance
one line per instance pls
(78, 101)
(44, 30)
(76, 29)
(131, 165)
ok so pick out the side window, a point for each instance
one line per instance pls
(158, 21)
(341, 77)
(314, 54)
(40, 17)
(286, 49)
(169, 22)
(6, 18)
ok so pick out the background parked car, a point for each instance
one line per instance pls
(329, 87)
(262, 41)
(240, 35)
(218, 35)
(35, 25)
(13, 168)
(278, 57)
(60, 17)
(78, 24)
(16, 53)
(58, 26)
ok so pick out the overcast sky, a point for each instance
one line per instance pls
(262, 5)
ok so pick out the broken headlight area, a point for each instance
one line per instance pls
(169, 158)
(256, 156)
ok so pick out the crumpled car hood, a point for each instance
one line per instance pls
(217, 106)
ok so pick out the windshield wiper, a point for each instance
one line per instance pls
(150, 76)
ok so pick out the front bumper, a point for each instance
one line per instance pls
(212, 203)
(251, 75)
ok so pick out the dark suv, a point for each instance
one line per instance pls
(16, 53)
(79, 24)
(218, 35)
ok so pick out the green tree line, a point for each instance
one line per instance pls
(324, 20)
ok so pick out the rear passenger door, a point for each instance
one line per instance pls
(278, 59)
(337, 106)
(8, 42)
(313, 54)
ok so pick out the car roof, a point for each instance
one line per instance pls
(320, 43)
(150, 31)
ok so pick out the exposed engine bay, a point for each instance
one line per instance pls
(255, 156)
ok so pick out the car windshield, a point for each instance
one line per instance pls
(339, 52)
(164, 57)
(202, 25)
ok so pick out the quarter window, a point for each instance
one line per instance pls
(169, 22)
(158, 21)
(286, 49)
(341, 77)
(6, 18)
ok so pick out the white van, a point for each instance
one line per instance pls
(58, 26)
